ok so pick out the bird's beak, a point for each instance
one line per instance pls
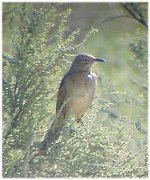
(99, 60)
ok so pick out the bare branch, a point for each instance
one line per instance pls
(110, 18)
(135, 13)
(9, 58)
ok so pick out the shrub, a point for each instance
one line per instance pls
(107, 145)
(41, 44)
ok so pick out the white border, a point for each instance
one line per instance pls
(75, 1)
(70, 1)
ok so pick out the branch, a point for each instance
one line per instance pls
(134, 15)
(9, 58)
(106, 20)
(12, 125)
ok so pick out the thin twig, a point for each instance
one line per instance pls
(12, 125)
(110, 18)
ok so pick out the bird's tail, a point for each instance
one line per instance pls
(52, 134)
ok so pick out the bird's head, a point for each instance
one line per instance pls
(84, 62)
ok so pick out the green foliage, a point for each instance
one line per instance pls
(103, 152)
(40, 47)
(108, 144)
(139, 48)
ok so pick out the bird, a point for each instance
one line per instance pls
(75, 95)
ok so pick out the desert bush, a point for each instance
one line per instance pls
(105, 145)
(40, 47)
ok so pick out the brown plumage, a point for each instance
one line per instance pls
(76, 94)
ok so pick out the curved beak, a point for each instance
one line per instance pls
(99, 60)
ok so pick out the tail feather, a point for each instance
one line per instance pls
(53, 133)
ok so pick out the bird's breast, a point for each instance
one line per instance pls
(80, 92)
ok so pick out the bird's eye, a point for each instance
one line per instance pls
(86, 61)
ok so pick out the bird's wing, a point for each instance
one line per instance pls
(61, 95)
(54, 131)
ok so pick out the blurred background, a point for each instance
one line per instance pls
(116, 32)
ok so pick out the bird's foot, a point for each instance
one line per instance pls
(80, 121)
